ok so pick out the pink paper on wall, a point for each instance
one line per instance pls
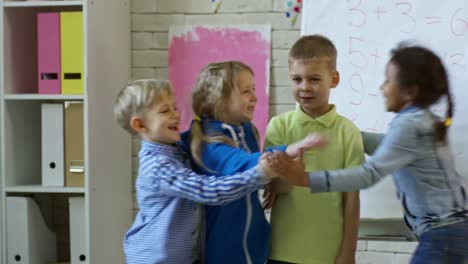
(193, 47)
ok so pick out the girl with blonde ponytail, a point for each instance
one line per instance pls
(222, 140)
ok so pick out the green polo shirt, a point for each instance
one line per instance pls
(307, 228)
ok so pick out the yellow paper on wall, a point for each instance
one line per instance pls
(71, 42)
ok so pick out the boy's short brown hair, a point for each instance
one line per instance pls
(313, 47)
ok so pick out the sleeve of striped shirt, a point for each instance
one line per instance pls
(185, 183)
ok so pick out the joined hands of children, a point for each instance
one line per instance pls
(289, 166)
(269, 173)
(292, 169)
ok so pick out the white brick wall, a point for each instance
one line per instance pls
(149, 58)
(142, 22)
(369, 257)
(149, 40)
(402, 258)
(150, 23)
(384, 246)
(383, 252)
(151, 20)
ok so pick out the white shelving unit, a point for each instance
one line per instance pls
(107, 190)
(43, 189)
(42, 97)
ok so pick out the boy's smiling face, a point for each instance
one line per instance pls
(161, 121)
(311, 84)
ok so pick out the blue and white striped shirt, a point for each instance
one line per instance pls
(167, 193)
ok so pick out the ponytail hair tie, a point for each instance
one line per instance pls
(197, 118)
(448, 122)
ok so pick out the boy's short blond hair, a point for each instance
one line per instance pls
(313, 47)
(136, 98)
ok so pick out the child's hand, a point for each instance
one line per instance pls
(311, 141)
(269, 197)
(265, 167)
(272, 190)
(289, 168)
(280, 185)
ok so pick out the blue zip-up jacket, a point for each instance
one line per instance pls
(237, 232)
(430, 189)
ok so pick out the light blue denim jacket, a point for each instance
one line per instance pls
(431, 191)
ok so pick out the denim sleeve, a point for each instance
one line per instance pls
(371, 141)
(397, 149)
(353, 149)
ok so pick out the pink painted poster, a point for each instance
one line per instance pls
(193, 47)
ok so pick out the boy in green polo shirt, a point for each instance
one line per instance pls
(321, 228)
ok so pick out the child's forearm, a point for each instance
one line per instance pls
(222, 156)
(214, 190)
(350, 224)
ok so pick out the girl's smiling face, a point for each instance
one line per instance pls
(241, 104)
(396, 98)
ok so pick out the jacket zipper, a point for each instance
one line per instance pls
(248, 199)
(248, 202)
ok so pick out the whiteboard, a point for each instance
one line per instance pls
(364, 32)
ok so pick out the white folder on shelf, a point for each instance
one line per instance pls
(29, 240)
(77, 233)
(53, 171)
